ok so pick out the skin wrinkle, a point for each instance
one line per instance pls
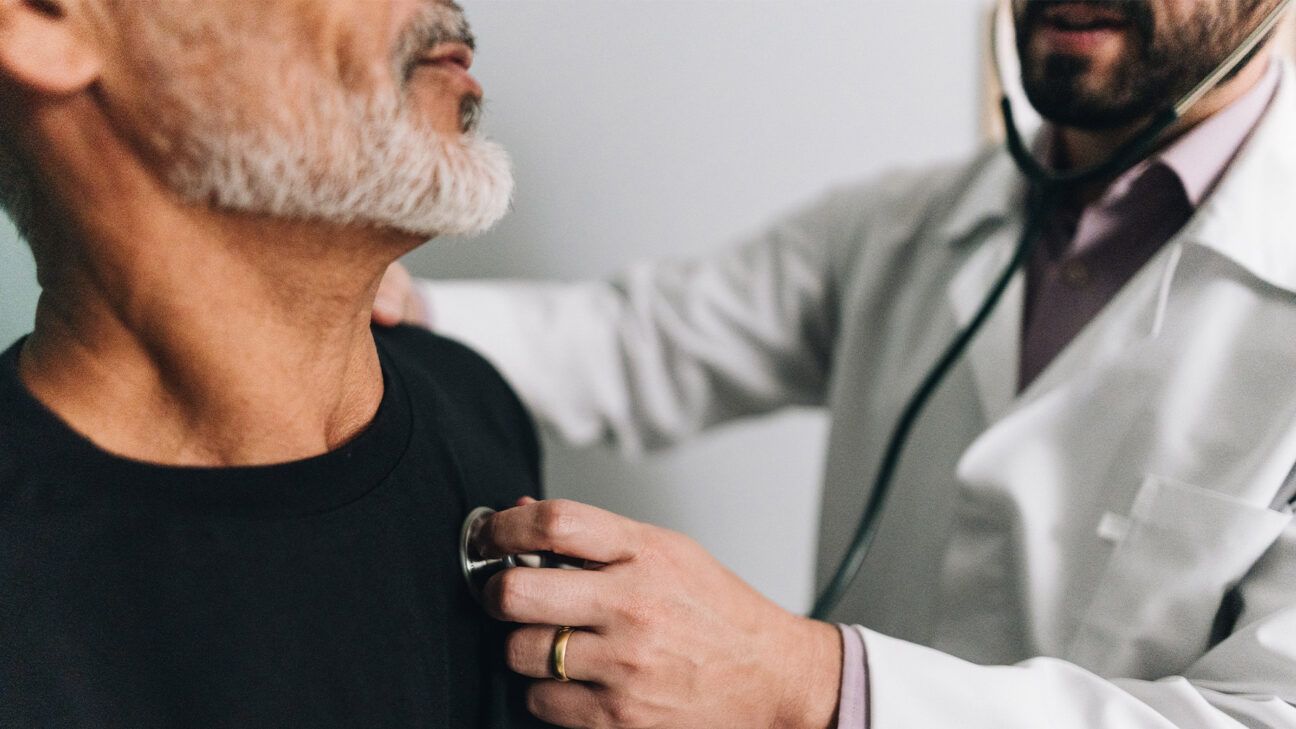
(223, 191)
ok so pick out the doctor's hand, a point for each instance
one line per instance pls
(398, 301)
(667, 636)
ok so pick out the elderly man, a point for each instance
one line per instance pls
(1090, 528)
(223, 500)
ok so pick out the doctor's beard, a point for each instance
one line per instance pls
(315, 149)
(1165, 58)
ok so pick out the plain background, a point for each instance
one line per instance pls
(664, 128)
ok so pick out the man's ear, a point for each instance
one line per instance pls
(43, 50)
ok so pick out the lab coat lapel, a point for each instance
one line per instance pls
(1247, 219)
(1250, 218)
(1026, 458)
(1118, 364)
(988, 223)
(994, 354)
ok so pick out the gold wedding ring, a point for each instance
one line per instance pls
(558, 657)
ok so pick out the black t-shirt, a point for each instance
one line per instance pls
(321, 593)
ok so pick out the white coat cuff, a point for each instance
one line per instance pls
(852, 708)
(915, 687)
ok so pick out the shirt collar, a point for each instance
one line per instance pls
(1248, 217)
(1201, 156)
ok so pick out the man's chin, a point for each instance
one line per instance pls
(439, 222)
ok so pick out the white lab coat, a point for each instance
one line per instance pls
(1053, 559)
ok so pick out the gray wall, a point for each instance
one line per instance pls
(17, 286)
(652, 128)
(649, 128)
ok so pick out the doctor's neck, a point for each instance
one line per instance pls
(1084, 147)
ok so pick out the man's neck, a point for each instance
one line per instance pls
(1085, 148)
(222, 343)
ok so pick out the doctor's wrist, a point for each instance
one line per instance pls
(812, 676)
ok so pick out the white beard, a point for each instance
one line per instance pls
(347, 162)
(394, 175)
(304, 147)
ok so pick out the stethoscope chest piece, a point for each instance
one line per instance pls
(477, 570)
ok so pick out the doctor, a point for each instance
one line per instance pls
(1090, 527)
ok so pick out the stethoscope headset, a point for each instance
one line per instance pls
(1046, 188)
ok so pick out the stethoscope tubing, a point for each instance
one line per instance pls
(1046, 187)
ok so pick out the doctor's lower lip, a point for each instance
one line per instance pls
(1083, 40)
(1081, 27)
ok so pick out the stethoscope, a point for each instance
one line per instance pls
(478, 569)
(1046, 188)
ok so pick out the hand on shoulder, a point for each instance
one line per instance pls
(399, 301)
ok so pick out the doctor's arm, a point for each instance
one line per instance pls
(667, 348)
(671, 639)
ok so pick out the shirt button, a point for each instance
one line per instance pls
(1076, 274)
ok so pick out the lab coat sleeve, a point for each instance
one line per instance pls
(666, 349)
(1247, 680)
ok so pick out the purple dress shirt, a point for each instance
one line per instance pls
(1084, 258)
(1089, 253)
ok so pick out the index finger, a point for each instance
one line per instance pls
(565, 527)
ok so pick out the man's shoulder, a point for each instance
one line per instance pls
(458, 371)
(428, 352)
(469, 404)
(15, 411)
(867, 223)
(473, 394)
(899, 200)
(946, 183)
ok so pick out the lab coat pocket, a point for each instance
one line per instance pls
(1184, 548)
